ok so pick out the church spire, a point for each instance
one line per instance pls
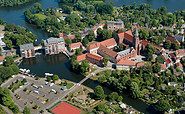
(136, 32)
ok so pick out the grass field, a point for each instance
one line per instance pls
(40, 16)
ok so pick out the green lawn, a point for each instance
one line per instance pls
(40, 16)
(69, 85)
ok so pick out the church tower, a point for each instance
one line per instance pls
(136, 41)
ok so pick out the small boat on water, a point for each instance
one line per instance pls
(48, 74)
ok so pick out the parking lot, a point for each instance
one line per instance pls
(38, 93)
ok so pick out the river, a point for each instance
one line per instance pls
(59, 64)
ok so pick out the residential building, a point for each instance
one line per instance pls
(168, 62)
(180, 38)
(172, 40)
(54, 45)
(95, 28)
(71, 37)
(27, 50)
(179, 65)
(144, 43)
(74, 46)
(163, 67)
(125, 64)
(94, 59)
(115, 25)
(141, 64)
(172, 84)
(1, 60)
(128, 53)
(109, 43)
(103, 51)
(180, 52)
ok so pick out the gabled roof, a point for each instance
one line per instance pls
(144, 42)
(27, 46)
(94, 56)
(106, 43)
(108, 52)
(172, 40)
(163, 66)
(126, 35)
(81, 57)
(178, 64)
(180, 52)
(125, 52)
(72, 37)
(140, 65)
(1, 58)
(75, 45)
(126, 62)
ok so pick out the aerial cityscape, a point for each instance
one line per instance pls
(92, 57)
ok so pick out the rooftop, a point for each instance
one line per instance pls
(107, 51)
(53, 40)
(75, 45)
(1, 58)
(65, 108)
(27, 46)
(81, 57)
(126, 62)
(125, 52)
(172, 40)
(94, 56)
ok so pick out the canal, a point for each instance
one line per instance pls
(59, 64)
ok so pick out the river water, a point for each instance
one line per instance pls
(59, 64)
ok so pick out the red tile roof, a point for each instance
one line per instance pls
(106, 43)
(163, 66)
(75, 45)
(126, 35)
(126, 62)
(65, 108)
(1, 58)
(144, 42)
(107, 51)
(94, 56)
(140, 65)
(178, 64)
(172, 40)
(172, 55)
(72, 37)
(60, 34)
(81, 57)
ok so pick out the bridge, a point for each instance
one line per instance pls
(38, 47)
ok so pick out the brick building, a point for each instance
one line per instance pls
(54, 45)
(103, 51)
(27, 50)
(74, 46)
(94, 59)
(109, 43)
(127, 54)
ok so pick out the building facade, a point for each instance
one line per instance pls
(114, 25)
(54, 45)
(27, 50)
(127, 54)
(94, 59)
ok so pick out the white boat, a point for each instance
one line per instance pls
(28, 71)
(48, 74)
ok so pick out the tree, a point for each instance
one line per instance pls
(163, 105)
(91, 36)
(135, 93)
(8, 61)
(159, 59)
(167, 44)
(78, 37)
(85, 41)
(55, 77)
(157, 67)
(99, 34)
(113, 96)
(100, 107)
(143, 34)
(2, 111)
(149, 56)
(48, 78)
(99, 93)
(78, 52)
(150, 48)
(15, 109)
(120, 99)
(68, 41)
(26, 110)
(176, 45)
(84, 67)
(105, 60)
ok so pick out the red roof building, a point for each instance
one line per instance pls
(1, 60)
(94, 59)
(72, 37)
(109, 43)
(74, 46)
(82, 57)
(172, 40)
(65, 108)
(140, 65)
(144, 43)
(125, 64)
(180, 52)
